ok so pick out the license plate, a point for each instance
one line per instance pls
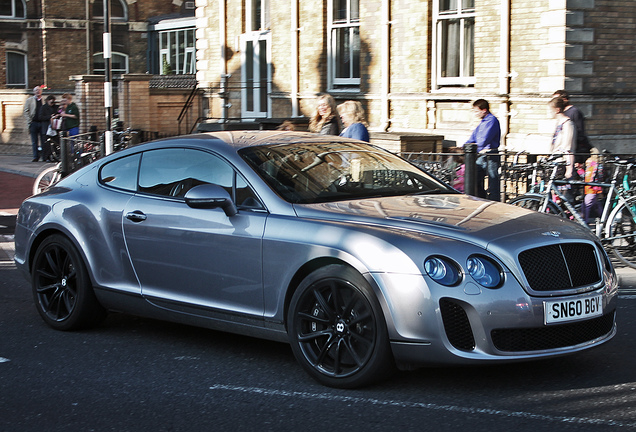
(573, 309)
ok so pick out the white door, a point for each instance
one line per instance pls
(255, 74)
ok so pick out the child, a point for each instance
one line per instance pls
(593, 173)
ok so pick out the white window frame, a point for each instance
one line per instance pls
(189, 54)
(113, 71)
(14, 10)
(352, 24)
(255, 88)
(251, 9)
(439, 17)
(26, 70)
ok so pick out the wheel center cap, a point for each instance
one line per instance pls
(340, 327)
(64, 282)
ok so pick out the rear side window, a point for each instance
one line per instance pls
(172, 172)
(121, 173)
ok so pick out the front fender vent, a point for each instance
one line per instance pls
(457, 325)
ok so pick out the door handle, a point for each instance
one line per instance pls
(136, 216)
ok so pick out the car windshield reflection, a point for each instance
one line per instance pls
(322, 172)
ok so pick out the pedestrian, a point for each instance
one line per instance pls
(352, 115)
(583, 146)
(71, 115)
(325, 120)
(487, 136)
(564, 136)
(31, 111)
(48, 110)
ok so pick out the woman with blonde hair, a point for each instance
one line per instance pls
(352, 115)
(325, 120)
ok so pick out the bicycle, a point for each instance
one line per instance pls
(616, 226)
(83, 152)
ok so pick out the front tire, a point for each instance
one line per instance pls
(46, 179)
(61, 286)
(337, 330)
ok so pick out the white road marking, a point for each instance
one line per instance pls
(423, 405)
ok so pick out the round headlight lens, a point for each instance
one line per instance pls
(486, 272)
(442, 270)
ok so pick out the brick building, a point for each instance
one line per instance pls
(57, 43)
(416, 65)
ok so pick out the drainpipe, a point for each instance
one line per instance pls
(295, 30)
(44, 44)
(386, 52)
(224, 75)
(88, 38)
(504, 70)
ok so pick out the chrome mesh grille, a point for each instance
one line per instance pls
(560, 267)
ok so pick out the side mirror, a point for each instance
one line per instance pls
(208, 196)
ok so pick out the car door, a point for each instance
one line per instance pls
(191, 259)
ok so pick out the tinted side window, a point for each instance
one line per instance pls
(121, 173)
(172, 172)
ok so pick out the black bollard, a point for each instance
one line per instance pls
(470, 169)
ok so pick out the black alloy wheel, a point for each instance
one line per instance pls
(61, 287)
(337, 329)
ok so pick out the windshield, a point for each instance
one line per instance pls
(322, 172)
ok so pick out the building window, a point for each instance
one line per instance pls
(177, 52)
(257, 15)
(12, 9)
(117, 9)
(344, 43)
(118, 63)
(16, 70)
(455, 42)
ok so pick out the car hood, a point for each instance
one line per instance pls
(489, 224)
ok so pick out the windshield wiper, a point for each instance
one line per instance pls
(436, 191)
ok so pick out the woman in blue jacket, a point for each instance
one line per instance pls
(352, 115)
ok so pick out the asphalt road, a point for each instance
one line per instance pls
(133, 374)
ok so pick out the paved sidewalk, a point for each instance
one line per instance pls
(22, 165)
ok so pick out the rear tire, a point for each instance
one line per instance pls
(62, 288)
(337, 330)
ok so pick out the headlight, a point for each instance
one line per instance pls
(485, 271)
(442, 270)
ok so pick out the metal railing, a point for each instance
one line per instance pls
(516, 169)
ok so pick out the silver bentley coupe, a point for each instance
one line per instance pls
(361, 261)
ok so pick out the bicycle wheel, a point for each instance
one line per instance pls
(620, 234)
(533, 202)
(46, 179)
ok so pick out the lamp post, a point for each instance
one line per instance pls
(108, 81)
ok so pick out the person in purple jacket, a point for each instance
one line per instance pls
(352, 115)
(487, 136)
